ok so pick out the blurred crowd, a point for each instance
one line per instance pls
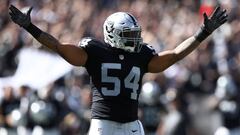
(197, 96)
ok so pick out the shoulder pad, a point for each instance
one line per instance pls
(89, 41)
(85, 42)
(148, 48)
(92, 46)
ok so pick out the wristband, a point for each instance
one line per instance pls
(202, 34)
(33, 30)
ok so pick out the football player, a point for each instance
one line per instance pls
(116, 66)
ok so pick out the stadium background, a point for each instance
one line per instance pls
(197, 96)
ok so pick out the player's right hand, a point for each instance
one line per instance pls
(20, 18)
(217, 18)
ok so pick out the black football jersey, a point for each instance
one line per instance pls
(116, 77)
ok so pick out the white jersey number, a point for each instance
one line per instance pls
(131, 81)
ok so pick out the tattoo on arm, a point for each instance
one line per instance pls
(73, 54)
(49, 41)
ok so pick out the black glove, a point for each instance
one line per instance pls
(217, 18)
(20, 18)
(24, 20)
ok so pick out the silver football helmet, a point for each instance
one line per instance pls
(121, 30)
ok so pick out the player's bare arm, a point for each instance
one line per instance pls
(165, 59)
(71, 53)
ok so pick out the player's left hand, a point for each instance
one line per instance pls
(217, 18)
(211, 23)
(20, 18)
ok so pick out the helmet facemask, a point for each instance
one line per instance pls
(130, 40)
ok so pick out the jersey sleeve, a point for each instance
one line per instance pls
(86, 44)
(148, 52)
(93, 48)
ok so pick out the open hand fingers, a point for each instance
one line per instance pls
(11, 15)
(216, 12)
(29, 11)
(224, 19)
(205, 16)
(222, 14)
(20, 18)
(219, 15)
(14, 10)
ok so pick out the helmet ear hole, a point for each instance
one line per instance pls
(110, 36)
(120, 34)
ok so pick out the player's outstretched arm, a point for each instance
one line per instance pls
(71, 53)
(165, 59)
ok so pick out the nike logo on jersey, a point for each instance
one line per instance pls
(134, 131)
